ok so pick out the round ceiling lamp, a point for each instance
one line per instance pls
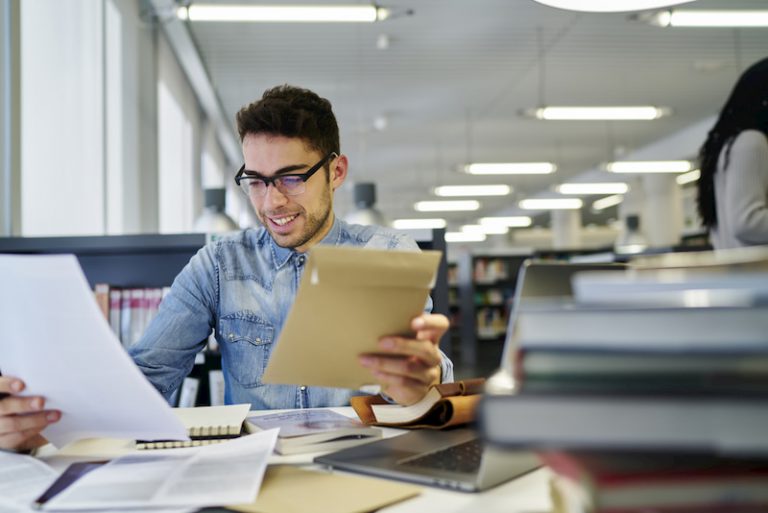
(611, 5)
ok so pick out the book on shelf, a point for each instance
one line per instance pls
(313, 430)
(730, 424)
(619, 482)
(205, 425)
(447, 404)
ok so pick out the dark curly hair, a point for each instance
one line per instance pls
(746, 108)
(292, 112)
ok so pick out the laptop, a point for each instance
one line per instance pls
(458, 458)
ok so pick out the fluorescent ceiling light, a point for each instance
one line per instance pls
(690, 176)
(610, 5)
(649, 166)
(510, 221)
(724, 18)
(417, 224)
(510, 168)
(464, 237)
(607, 202)
(486, 229)
(447, 206)
(617, 113)
(551, 204)
(473, 190)
(282, 13)
(592, 188)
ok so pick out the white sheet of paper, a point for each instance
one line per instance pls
(57, 340)
(23, 478)
(219, 474)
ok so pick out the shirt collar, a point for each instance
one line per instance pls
(281, 255)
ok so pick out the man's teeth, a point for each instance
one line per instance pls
(283, 220)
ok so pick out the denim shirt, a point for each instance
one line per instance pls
(242, 286)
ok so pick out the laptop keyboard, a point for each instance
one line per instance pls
(464, 457)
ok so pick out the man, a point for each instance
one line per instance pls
(243, 286)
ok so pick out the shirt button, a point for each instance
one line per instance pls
(303, 388)
(258, 340)
(231, 336)
(301, 260)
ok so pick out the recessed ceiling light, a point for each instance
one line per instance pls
(690, 176)
(486, 229)
(720, 18)
(649, 166)
(607, 202)
(509, 221)
(551, 204)
(417, 224)
(282, 13)
(447, 206)
(473, 190)
(510, 168)
(610, 5)
(598, 113)
(464, 237)
(592, 188)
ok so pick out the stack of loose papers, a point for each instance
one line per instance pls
(221, 474)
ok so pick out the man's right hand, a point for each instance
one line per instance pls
(22, 418)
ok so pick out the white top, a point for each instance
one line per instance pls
(741, 193)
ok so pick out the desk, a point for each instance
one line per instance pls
(527, 494)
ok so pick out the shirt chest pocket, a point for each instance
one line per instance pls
(245, 346)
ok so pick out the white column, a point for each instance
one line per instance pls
(566, 229)
(662, 220)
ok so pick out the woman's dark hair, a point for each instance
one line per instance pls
(746, 108)
(292, 112)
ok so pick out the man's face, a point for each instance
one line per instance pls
(302, 220)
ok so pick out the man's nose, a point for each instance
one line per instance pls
(273, 196)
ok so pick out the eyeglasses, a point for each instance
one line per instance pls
(290, 185)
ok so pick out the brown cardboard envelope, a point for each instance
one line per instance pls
(348, 298)
(288, 489)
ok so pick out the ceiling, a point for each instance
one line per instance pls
(457, 73)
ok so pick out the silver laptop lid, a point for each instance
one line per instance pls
(536, 280)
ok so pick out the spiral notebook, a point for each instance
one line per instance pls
(205, 425)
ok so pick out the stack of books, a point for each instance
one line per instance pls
(648, 391)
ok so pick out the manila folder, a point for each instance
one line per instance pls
(348, 298)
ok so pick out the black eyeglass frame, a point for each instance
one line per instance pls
(241, 174)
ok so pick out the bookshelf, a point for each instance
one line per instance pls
(486, 287)
(151, 260)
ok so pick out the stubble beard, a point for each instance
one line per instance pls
(313, 224)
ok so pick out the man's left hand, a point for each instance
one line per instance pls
(406, 367)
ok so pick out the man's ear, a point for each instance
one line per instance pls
(338, 171)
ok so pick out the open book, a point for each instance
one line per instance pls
(447, 404)
(313, 430)
(205, 425)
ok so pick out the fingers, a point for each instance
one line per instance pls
(9, 385)
(423, 350)
(430, 326)
(22, 418)
(12, 405)
(26, 439)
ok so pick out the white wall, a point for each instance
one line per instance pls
(62, 122)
